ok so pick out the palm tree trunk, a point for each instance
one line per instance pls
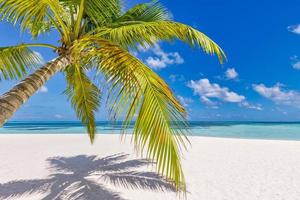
(20, 93)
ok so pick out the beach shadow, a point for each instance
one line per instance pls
(83, 178)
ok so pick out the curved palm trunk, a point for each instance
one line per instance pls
(20, 93)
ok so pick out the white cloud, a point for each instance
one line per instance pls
(58, 116)
(185, 101)
(295, 62)
(277, 94)
(43, 89)
(296, 65)
(231, 73)
(160, 58)
(207, 101)
(176, 77)
(246, 104)
(294, 29)
(207, 90)
(214, 107)
(155, 63)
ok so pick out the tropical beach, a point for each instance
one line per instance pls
(216, 168)
(166, 100)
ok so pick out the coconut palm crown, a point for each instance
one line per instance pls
(98, 36)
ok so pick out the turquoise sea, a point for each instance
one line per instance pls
(252, 130)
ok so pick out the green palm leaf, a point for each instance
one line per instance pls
(98, 12)
(16, 60)
(34, 14)
(84, 97)
(138, 90)
(103, 12)
(148, 33)
(146, 12)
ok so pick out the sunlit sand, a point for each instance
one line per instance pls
(67, 166)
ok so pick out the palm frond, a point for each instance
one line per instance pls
(102, 11)
(147, 12)
(34, 14)
(38, 28)
(97, 12)
(148, 33)
(84, 97)
(138, 90)
(16, 60)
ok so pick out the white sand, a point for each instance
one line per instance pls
(215, 169)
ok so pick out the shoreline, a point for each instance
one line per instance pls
(129, 135)
(215, 168)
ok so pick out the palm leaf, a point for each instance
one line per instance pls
(102, 11)
(146, 12)
(98, 12)
(84, 97)
(148, 33)
(138, 90)
(16, 60)
(33, 14)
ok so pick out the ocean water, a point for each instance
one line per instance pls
(248, 130)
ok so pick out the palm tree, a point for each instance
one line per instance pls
(98, 35)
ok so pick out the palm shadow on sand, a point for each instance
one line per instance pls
(82, 178)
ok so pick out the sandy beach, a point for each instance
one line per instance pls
(68, 167)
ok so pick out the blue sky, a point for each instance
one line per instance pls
(260, 81)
